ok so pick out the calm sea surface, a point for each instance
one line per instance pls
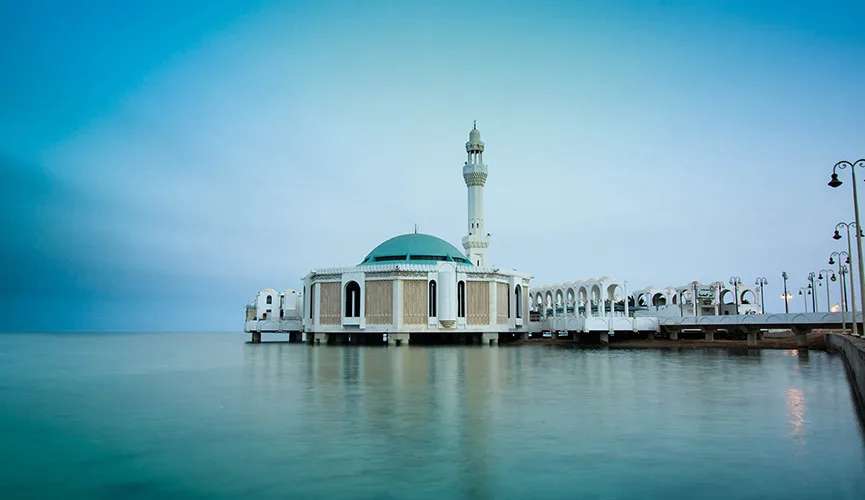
(208, 416)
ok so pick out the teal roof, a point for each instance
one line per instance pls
(415, 248)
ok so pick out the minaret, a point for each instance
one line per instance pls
(475, 175)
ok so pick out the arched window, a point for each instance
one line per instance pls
(518, 295)
(311, 300)
(432, 299)
(269, 299)
(352, 300)
(461, 299)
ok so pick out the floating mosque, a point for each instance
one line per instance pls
(419, 288)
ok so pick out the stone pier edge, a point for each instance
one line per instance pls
(852, 350)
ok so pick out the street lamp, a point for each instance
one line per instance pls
(761, 282)
(736, 281)
(784, 275)
(837, 236)
(842, 272)
(804, 292)
(812, 287)
(826, 273)
(835, 182)
(844, 258)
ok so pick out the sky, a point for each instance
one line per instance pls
(160, 162)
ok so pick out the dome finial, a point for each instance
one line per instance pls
(475, 125)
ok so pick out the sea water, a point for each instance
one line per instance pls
(196, 415)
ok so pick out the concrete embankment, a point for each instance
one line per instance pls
(852, 349)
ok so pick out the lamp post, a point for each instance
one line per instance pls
(804, 292)
(842, 271)
(736, 281)
(826, 273)
(761, 282)
(835, 182)
(812, 288)
(784, 275)
(843, 258)
(837, 236)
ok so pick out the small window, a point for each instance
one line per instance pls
(432, 299)
(352, 300)
(269, 299)
(518, 292)
(389, 258)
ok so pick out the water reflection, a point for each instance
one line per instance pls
(796, 412)
(488, 422)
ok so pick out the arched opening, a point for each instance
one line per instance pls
(352, 300)
(615, 298)
(727, 301)
(642, 301)
(311, 300)
(432, 299)
(597, 300)
(539, 303)
(461, 299)
(548, 304)
(560, 302)
(747, 297)
(659, 300)
(675, 299)
(269, 300)
(518, 297)
(582, 301)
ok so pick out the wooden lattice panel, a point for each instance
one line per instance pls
(478, 302)
(379, 302)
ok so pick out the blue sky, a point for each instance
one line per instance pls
(160, 163)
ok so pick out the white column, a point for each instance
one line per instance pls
(625, 288)
(397, 304)
(493, 303)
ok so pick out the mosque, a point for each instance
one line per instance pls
(419, 288)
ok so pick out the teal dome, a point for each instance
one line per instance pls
(415, 248)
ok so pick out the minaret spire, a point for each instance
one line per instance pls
(476, 241)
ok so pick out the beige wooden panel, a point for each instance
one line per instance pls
(379, 302)
(329, 313)
(478, 302)
(502, 298)
(414, 306)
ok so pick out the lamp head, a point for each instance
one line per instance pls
(834, 181)
(836, 236)
(833, 278)
(831, 260)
